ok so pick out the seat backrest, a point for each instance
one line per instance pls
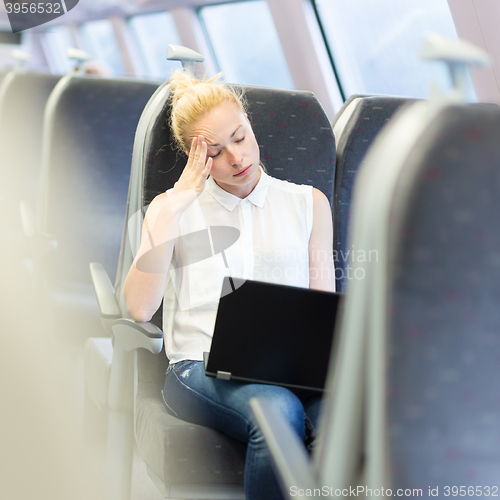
(355, 126)
(342, 116)
(293, 132)
(443, 408)
(429, 216)
(23, 96)
(89, 132)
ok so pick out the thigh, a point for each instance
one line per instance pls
(312, 402)
(221, 404)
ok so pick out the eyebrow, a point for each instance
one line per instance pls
(232, 135)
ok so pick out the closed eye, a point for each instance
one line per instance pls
(236, 140)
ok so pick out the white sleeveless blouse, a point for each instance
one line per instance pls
(275, 223)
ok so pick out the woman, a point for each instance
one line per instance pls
(223, 184)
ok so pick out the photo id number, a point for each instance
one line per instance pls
(471, 491)
(33, 8)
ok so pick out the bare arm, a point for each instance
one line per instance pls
(321, 266)
(145, 283)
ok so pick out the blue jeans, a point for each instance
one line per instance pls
(224, 405)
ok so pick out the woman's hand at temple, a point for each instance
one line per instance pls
(145, 282)
(197, 169)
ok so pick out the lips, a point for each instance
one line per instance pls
(242, 172)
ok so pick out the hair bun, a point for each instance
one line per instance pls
(181, 82)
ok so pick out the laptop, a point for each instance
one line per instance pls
(273, 334)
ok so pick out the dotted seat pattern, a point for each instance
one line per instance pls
(21, 119)
(444, 350)
(367, 120)
(89, 158)
(297, 144)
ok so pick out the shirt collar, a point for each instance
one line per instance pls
(230, 201)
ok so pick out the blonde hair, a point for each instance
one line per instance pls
(192, 98)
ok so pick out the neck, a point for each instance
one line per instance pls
(240, 191)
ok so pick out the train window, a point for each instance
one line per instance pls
(152, 34)
(55, 42)
(376, 45)
(100, 41)
(255, 57)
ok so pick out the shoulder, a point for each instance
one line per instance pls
(315, 195)
(319, 199)
(322, 212)
(294, 198)
(287, 187)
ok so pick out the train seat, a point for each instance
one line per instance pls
(88, 137)
(355, 127)
(442, 347)
(23, 96)
(185, 460)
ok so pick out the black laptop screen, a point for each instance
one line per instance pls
(274, 333)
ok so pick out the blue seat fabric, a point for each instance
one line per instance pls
(21, 121)
(369, 117)
(444, 365)
(84, 193)
(90, 155)
(345, 106)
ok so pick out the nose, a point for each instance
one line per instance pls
(235, 157)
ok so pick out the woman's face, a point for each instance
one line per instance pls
(232, 147)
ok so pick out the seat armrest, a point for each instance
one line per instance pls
(291, 460)
(105, 295)
(130, 335)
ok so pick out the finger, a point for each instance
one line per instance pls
(194, 145)
(192, 151)
(201, 144)
(200, 153)
(208, 168)
(203, 155)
